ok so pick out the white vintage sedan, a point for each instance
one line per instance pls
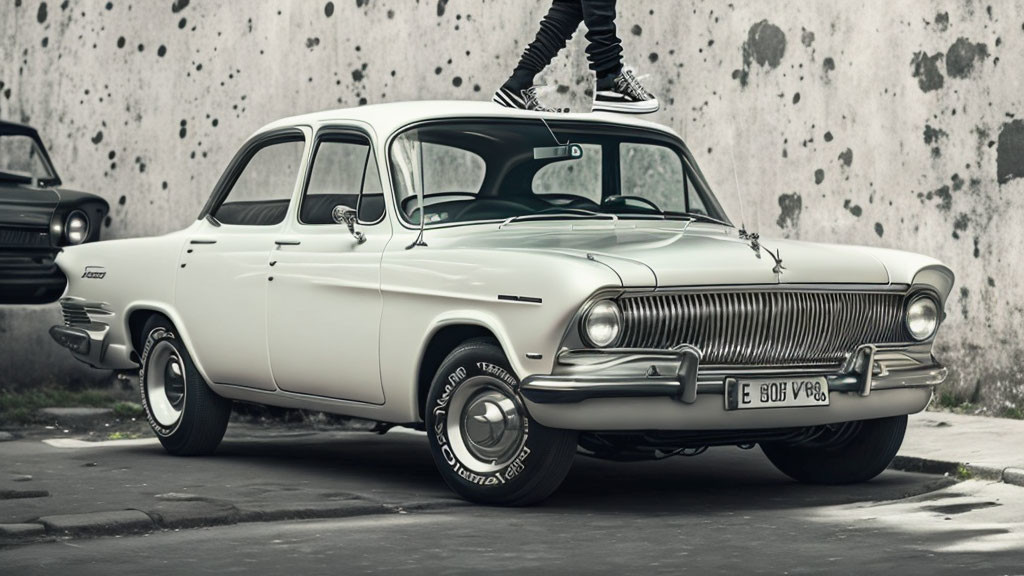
(524, 287)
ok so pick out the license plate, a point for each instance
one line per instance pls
(785, 392)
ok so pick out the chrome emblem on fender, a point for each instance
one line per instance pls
(95, 272)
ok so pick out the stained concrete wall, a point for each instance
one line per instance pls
(896, 124)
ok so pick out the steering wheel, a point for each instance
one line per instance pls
(624, 199)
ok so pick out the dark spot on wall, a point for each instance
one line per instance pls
(879, 229)
(357, 75)
(943, 194)
(107, 221)
(111, 155)
(964, 296)
(161, 51)
(854, 209)
(182, 131)
(977, 251)
(361, 3)
(46, 41)
(122, 200)
(120, 42)
(98, 137)
(806, 37)
(109, 6)
(991, 282)
(141, 47)
(329, 9)
(636, 30)
(942, 21)
(796, 98)
(312, 42)
(962, 56)
(441, 5)
(828, 65)
(438, 70)
(457, 81)
(182, 23)
(819, 176)
(790, 206)
(926, 70)
(828, 137)
(391, 14)
(960, 225)
(1010, 152)
(932, 137)
(41, 14)
(653, 57)
(179, 5)
(846, 157)
(765, 45)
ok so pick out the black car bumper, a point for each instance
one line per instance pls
(30, 278)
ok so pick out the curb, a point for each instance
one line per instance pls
(185, 514)
(959, 470)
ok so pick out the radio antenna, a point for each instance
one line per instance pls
(739, 195)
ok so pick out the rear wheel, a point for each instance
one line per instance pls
(188, 418)
(481, 437)
(845, 454)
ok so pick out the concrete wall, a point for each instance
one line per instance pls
(897, 124)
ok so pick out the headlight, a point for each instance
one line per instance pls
(922, 317)
(76, 227)
(602, 323)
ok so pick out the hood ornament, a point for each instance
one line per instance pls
(755, 244)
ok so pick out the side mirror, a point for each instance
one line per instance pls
(342, 214)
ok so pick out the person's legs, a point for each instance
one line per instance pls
(604, 49)
(618, 90)
(557, 27)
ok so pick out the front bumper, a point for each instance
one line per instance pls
(86, 334)
(668, 390)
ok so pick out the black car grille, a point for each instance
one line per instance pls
(24, 237)
(764, 327)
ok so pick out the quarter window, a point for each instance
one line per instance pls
(262, 191)
(344, 174)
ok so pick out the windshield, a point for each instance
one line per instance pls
(474, 170)
(21, 160)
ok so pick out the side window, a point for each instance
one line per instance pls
(260, 194)
(344, 173)
(656, 173)
(573, 177)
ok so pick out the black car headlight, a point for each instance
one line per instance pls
(922, 317)
(601, 324)
(76, 227)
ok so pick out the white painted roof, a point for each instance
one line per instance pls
(388, 118)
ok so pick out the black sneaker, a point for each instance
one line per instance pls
(624, 93)
(522, 100)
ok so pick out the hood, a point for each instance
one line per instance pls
(698, 255)
(26, 206)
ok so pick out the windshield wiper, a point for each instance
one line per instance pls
(553, 213)
(695, 216)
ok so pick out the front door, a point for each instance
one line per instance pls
(325, 301)
(223, 274)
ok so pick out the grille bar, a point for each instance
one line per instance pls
(764, 327)
(34, 237)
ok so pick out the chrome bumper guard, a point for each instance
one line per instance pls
(82, 332)
(590, 374)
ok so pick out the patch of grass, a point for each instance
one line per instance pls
(127, 410)
(963, 472)
(1014, 412)
(21, 407)
(124, 436)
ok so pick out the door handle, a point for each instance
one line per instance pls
(203, 242)
(287, 242)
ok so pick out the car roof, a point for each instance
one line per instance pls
(389, 118)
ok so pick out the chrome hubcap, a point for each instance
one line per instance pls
(165, 384)
(485, 424)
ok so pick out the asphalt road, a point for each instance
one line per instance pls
(727, 511)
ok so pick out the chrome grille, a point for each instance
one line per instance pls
(74, 314)
(764, 327)
(24, 237)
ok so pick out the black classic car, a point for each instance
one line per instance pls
(37, 218)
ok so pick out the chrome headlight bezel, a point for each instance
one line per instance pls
(928, 304)
(76, 227)
(606, 311)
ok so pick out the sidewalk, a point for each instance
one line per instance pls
(964, 446)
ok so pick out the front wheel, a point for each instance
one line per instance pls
(481, 437)
(188, 417)
(845, 453)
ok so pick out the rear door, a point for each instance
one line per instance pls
(224, 272)
(325, 301)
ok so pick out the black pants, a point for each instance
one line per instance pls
(557, 28)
